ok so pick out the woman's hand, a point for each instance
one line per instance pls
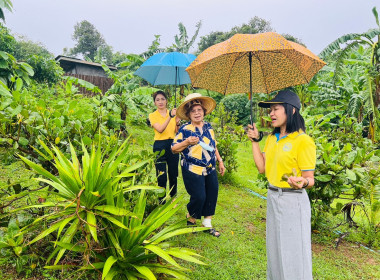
(252, 132)
(173, 112)
(222, 169)
(192, 140)
(297, 182)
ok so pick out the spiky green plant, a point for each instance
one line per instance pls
(132, 253)
(92, 218)
(90, 191)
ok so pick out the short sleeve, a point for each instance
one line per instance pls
(153, 119)
(307, 154)
(266, 144)
(179, 136)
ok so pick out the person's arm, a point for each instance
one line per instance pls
(177, 124)
(222, 169)
(306, 160)
(179, 147)
(306, 181)
(258, 156)
(161, 127)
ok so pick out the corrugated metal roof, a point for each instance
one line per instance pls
(80, 61)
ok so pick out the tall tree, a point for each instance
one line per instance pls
(26, 48)
(255, 25)
(88, 39)
(340, 50)
(181, 41)
(292, 38)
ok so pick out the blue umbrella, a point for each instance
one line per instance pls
(166, 69)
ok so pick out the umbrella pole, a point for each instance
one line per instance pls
(175, 88)
(250, 84)
(261, 134)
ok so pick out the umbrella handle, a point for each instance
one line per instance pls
(261, 135)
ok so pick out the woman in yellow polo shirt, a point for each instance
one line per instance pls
(165, 125)
(288, 160)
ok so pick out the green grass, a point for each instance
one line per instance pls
(240, 252)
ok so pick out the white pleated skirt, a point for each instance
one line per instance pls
(288, 236)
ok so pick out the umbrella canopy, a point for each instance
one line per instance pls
(166, 69)
(255, 63)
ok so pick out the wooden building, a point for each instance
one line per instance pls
(89, 71)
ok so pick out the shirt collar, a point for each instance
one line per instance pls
(290, 135)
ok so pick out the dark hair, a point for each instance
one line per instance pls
(294, 122)
(190, 105)
(157, 93)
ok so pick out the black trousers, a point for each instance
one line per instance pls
(167, 164)
(203, 191)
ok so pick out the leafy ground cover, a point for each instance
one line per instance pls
(240, 216)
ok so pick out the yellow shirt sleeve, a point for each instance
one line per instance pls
(169, 131)
(153, 119)
(307, 155)
(266, 143)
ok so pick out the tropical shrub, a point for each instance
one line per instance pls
(13, 74)
(7, 41)
(239, 104)
(13, 250)
(347, 168)
(55, 115)
(224, 125)
(46, 70)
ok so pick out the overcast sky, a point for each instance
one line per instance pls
(130, 26)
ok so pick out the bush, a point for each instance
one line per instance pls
(46, 70)
(7, 41)
(224, 124)
(347, 168)
(239, 105)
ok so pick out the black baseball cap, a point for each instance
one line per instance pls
(284, 96)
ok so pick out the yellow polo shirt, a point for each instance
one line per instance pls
(296, 150)
(169, 131)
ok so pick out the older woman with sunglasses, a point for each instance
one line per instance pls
(195, 141)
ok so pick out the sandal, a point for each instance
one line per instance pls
(191, 223)
(214, 232)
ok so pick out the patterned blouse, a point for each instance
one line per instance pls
(195, 158)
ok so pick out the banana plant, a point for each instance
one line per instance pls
(341, 49)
